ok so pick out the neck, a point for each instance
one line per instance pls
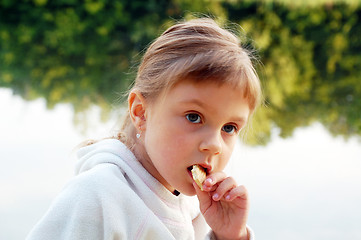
(144, 159)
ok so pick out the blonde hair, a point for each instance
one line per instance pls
(198, 50)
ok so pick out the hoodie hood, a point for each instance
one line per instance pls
(104, 151)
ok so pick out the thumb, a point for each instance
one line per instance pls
(204, 198)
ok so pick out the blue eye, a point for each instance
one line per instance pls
(193, 118)
(230, 129)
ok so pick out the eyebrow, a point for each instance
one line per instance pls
(240, 119)
(195, 101)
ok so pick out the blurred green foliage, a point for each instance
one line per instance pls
(86, 52)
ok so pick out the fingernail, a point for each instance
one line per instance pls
(215, 196)
(228, 197)
(205, 187)
(208, 180)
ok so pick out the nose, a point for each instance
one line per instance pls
(211, 143)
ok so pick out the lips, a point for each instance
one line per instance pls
(207, 168)
(191, 167)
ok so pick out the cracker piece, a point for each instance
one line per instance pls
(199, 175)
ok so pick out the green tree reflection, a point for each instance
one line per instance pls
(86, 52)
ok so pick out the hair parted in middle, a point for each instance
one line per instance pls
(198, 50)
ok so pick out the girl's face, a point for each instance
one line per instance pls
(192, 123)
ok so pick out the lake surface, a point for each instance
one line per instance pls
(304, 187)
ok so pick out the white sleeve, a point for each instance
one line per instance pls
(211, 235)
(250, 233)
(201, 229)
(75, 214)
(91, 207)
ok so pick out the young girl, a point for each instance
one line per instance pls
(194, 92)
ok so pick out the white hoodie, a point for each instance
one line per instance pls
(114, 197)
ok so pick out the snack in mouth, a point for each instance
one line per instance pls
(199, 175)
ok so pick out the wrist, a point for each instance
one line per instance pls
(244, 235)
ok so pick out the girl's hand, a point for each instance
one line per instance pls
(224, 205)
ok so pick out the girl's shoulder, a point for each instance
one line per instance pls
(96, 203)
(105, 180)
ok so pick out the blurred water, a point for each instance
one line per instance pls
(304, 187)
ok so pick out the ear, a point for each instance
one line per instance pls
(137, 107)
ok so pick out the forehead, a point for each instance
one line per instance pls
(214, 97)
(241, 85)
(207, 89)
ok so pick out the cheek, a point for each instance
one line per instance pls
(227, 153)
(164, 140)
(222, 163)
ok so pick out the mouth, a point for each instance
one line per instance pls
(206, 169)
(199, 174)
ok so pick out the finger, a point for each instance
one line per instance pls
(224, 187)
(203, 197)
(239, 191)
(212, 179)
